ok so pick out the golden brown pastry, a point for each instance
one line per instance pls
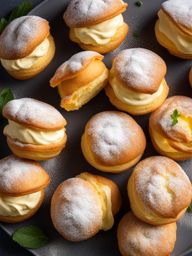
(170, 128)
(80, 79)
(136, 238)
(96, 25)
(190, 76)
(84, 205)
(36, 130)
(22, 185)
(159, 190)
(112, 141)
(137, 81)
(174, 27)
(26, 47)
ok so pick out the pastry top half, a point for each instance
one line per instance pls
(34, 114)
(74, 66)
(173, 121)
(22, 36)
(139, 70)
(83, 205)
(180, 12)
(138, 238)
(20, 177)
(81, 13)
(114, 138)
(162, 186)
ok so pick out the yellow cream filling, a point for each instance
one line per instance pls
(27, 62)
(104, 193)
(30, 136)
(182, 41)
(101, 33)
(18, 206)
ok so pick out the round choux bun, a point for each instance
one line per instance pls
(79, 79)
(173, 29)
(170, 128)
(138, 238)
(36, 130)
(159, 191)
(96, 25)
(137, 82)
(26, 47)
(190, 76)
(112, 141)
(84, 205)
(22, 186)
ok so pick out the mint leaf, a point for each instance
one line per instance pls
(5, 96)
(21, 10)
(31, 237)
(174, 116)
(189, 209)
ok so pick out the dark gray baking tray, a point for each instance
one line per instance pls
(71, 162)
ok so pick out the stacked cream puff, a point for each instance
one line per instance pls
(137, 82)
(96, 25)
(26, 47)
(22, 186)
(79, 79)
(174, 27)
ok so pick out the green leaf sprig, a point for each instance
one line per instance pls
(174, 116)
(189, 209)
(22, 9)
(139, 3)
(5, 96)
(30, 237)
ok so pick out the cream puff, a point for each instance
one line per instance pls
(26, 47)
(22, 185)
(170, 128)
(174, 27)
(190, 76)
(36, 130)
(136, 238)
(79, 79)
(112, 141)
(159, 191)
(84, 205)
(96, 25)
(137, 82)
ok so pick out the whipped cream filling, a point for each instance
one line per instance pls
(18, 206)
(29, 136)
(104, 193)
(27, 62)
(101, 33)
(130, 97)
(182, 41)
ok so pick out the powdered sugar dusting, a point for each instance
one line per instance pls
(78, 210)
(14, 170)
(162, 183)
(34, 112)
(75, 63)
(180, 11)
(136, 67)
(111, 135)
(19, 33)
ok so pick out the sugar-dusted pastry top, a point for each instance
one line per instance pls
(22, 36)
(181, 13)
(81, 13)
(74, 66)
(162, 185)
(112, 137)
(34, 114)
(139, 69)
(20, 177)
(76, 209)
(138, 238)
